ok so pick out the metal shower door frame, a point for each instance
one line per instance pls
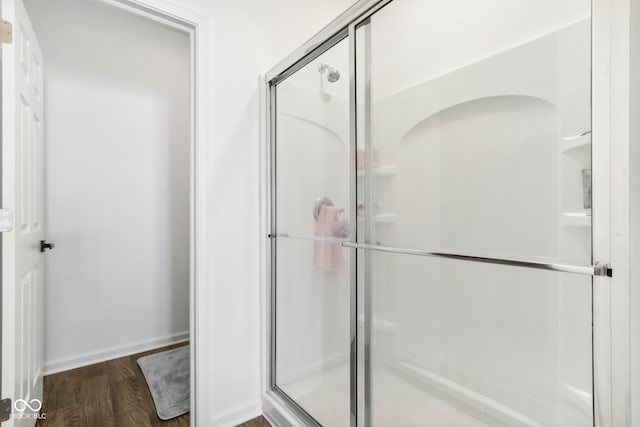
(603, 328)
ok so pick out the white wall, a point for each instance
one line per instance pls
(634, 214)
(117, 181)
(496, 26)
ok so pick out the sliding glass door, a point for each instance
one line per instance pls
(311, 294)
(475, 118)
(431, 234)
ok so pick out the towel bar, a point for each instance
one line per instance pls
(592, 270)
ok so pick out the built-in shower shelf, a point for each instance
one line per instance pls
(382, 170)
(575, 142)
(575, 219)
(386, 218)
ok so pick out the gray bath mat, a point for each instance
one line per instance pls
(167, 375)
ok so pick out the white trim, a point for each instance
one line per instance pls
(634, 214)
(601, 172)
(620, 122)
(136, 8)
(8, 262)
(86, 359)
(237, 414)
(197, 24)
(263, 228)
(612, 141)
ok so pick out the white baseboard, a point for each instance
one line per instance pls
(237, 414)
(85, 359)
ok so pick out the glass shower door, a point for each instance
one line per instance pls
(312, 274)
(474, 134)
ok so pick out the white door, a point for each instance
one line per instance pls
(22, 193)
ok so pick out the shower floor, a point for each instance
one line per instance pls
(395, 402)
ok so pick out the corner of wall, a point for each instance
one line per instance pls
(634, 210)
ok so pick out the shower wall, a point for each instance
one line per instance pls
(480, 139)
(314, 154)
(458, 33)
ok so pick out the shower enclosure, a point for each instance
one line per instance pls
(431, 248)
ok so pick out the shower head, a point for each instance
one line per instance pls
(333, 75)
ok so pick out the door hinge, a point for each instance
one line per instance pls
(5, 410)
(6, 31)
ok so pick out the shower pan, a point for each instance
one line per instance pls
(431, 255)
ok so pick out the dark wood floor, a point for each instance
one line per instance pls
(112, 393)
(256, 422)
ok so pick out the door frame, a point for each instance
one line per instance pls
(197, 25)
(612, 307)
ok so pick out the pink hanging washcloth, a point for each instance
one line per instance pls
(327, 256)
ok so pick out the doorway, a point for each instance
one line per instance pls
(176, 199)
(117, 170)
